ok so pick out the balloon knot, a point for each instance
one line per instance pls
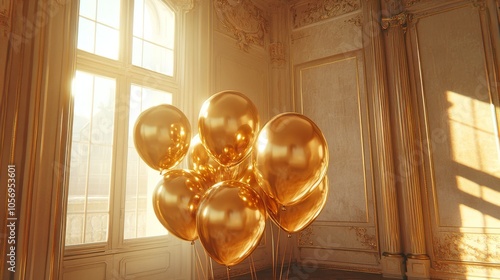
(283, 208)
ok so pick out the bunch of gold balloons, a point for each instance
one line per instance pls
(237, 176)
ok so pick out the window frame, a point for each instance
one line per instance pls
(126, 74)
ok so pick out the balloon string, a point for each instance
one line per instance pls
(211, 268)
(252, 268)
(199, 261)
(289, 262)
(195, 264)
(272, 249)
(283, 259)
(276, 260)
(228, 274)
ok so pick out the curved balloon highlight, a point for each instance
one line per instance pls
(175, 201)
(231, 222)
(161, 136)
(296, 217)
(290, 157)
(228, 124)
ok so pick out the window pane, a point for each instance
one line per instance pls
(137, 52)
(98, 29)
(155, 58)
(138, 18)
(140, 219)
(158, 23)
(91, 159)
(88, 8)
(86, 35)
(107, 42)
(154, 26)
(108, 12)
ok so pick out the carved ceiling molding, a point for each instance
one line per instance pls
(244, 20)
(467, 246)
(316, 11)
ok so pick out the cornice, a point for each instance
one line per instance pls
(315, 11)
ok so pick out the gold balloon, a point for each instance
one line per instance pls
(175, 202)
(296, 217)
(228, 125)
(290, 157)
(202, 163)
(161, 136)
(230, 221)
(211, 172)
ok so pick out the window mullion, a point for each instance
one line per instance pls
(120, 156)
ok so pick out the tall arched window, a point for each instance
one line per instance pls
(126, 63)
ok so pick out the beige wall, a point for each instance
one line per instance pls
(436, 91)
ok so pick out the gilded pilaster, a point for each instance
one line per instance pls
(279, 100)
(392, 257)
(407, 173)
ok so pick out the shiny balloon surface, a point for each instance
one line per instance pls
(290, 157)
(175, 202)
(228, 124)
(296, 217)
(161, 136)
(231, 222)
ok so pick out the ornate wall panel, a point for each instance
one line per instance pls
(340, 35)
(454, 64)
(330, 88)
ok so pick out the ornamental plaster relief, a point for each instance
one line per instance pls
(243, 20)
(5, 17)
(316, 11)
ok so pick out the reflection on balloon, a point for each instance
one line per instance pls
(230, 222)
(200, 161)
(161, 136)
(228, 125)
(290, 157)
(296, 217)
(175, 202)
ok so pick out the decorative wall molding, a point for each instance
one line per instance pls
(401, 19)
(277, 53)
(356, 20)
(320, 10)
(5, 16)
(366, 239)
(244, 20)
(467, 246)
(480, 4)
(184, 5)
(409, 3)
(394, 6)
